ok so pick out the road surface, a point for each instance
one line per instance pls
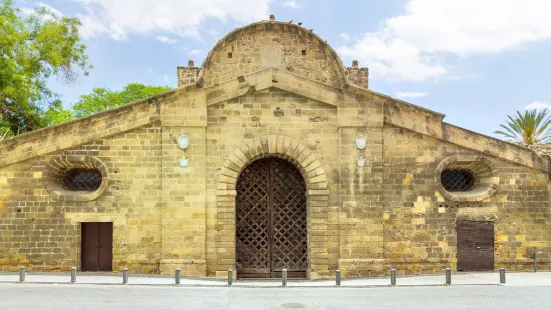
(81, 296)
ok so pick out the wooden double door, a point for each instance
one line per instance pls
(271, 220)
(475, 246)
(96, 247)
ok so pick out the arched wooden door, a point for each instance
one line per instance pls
(271, 220)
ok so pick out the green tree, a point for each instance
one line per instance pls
(32, 50)
(102, 99)
(5, 131)
(56, 114)
(532, 127)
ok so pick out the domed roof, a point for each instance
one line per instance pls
(254, 37)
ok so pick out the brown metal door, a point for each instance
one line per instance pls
(475, 246)
(105, 261)
(96, 246)
(89, 247)
(271, 220)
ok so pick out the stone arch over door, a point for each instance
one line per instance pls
(317, 195)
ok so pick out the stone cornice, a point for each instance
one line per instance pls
(82, 130)
(395, 113)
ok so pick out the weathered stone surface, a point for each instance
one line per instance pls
(275, 101)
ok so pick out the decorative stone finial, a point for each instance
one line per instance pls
(191, 64)
(354, 64)
(272, 17)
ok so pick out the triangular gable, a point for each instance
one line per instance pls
(272, 77)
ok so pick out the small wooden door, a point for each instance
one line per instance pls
(271, 220)
(475, 246)
(97, 247)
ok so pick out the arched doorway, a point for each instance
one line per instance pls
(271, 220)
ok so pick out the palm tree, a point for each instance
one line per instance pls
(532, 127)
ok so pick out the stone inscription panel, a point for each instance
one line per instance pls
(271, 56)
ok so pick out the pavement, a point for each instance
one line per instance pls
(427, 292)
(492, 278)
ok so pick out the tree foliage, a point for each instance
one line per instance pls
(5, 131)
(530, 127)
(32, 50)
(56, 114)
(102, 99)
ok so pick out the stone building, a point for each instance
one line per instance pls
(271, 155)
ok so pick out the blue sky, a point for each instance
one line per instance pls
(473, 60)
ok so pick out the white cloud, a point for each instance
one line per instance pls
(412, 94)
(412, 46)
(91, 25)
(27, 11)
(538, 105)
(215, 34)
(120, 18)
(149, 70)
(345, 36)
(166, 40)
(291, 4)
(167, 80)
(53, 10)
(195, 52)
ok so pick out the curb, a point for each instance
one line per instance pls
(251, 286)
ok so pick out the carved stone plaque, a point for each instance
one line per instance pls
(271, 56)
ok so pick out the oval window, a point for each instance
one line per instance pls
(80, 179)
(458, 180)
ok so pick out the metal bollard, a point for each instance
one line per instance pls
(73, 274)
(392, 276)
(22, 274)
(125, 276)
(284, 277)
(501, 275)
(230, 277)
(448, 276)
(338, 277)
(177, 276)
(533, 256)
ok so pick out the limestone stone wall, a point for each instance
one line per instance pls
(420, 224)
(389, 213)
(395, 217)
(270, 89)
(43, 233)
(274, 113)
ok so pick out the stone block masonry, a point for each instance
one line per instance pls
(270, 89)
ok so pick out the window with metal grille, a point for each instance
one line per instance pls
(82, 179)
(457, 180)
